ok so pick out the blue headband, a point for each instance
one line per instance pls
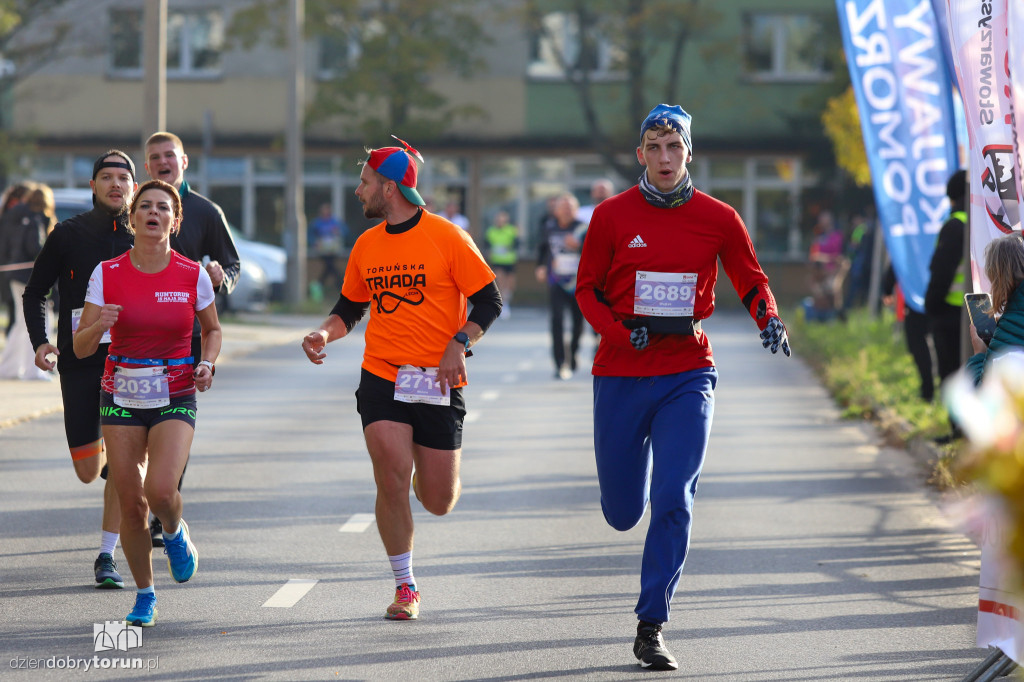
(671, 116)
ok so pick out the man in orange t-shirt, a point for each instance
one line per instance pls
(415, 272)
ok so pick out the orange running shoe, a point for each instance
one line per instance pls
(406, 605)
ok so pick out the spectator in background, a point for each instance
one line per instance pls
(947, 283)
(599, 191)
(944, 298)
(828, 269)
(502, 241)
(451, 212)
(860, 249)
(1004, 267)
(329, 236)
(558, 258)
(26, 228)
(10, 222)
(915, 333)
(23, 242)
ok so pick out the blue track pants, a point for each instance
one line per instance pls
(650, 437)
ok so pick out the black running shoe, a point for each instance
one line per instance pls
(156, 530)
(650, 649)
(107, 577)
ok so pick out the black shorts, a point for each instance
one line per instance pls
(433, 426)
(80, 393)
(182, 408)
(507, 269)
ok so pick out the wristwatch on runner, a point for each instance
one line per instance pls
(462, 338)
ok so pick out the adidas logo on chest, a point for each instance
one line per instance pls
(637, 243)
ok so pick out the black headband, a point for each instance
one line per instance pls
(113, 164)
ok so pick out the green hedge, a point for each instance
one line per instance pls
(865, 365)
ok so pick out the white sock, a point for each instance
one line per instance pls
(108, 542)
(401, 566)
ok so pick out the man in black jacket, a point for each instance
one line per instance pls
(204, 233)
(944, 298)
(69, 255)
(947, 283)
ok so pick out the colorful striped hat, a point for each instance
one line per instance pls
(397, 164)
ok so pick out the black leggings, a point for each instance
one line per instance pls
(915, 329)
(560, 301)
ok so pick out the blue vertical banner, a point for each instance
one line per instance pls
(942, 24)
(904, 96)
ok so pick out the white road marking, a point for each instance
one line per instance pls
(357, 523)
(490, 395)
(471, 416)
(290, 593)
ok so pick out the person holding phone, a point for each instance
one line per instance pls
(979, 311)
(1004, 267)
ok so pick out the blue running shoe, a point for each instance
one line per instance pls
(182, 557)
(144, 613)
(107, 577)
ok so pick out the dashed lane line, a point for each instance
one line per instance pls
(357, 523)
(290, 593)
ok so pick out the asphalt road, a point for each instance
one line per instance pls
(818, 553)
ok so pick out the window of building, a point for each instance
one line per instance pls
(785, 47)
(195, 42)
(559, 47)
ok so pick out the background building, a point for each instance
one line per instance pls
(544, 107)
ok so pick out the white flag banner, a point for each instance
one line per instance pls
(1015, 25)
(978, 37)
(999, 610)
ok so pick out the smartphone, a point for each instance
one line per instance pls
(979, 309)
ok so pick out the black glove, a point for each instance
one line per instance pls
(774, 335)
(638, 337)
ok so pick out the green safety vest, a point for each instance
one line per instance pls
(958, 288)
(501, 241)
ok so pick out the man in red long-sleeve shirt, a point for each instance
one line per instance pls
(646, 279)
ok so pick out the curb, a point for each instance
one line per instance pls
(897, 432)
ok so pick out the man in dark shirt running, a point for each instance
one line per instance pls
(68, 257)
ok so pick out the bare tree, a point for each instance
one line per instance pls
(382, 58)
(644, 40)
(32, 34)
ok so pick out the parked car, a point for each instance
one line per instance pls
(253, 290)
(70, 201)
(272, 259)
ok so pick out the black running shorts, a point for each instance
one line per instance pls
(80, 392)
(433, 426)
(182, 408)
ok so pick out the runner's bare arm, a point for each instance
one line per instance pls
(314, 342)
(95, 322)
(451, 371)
